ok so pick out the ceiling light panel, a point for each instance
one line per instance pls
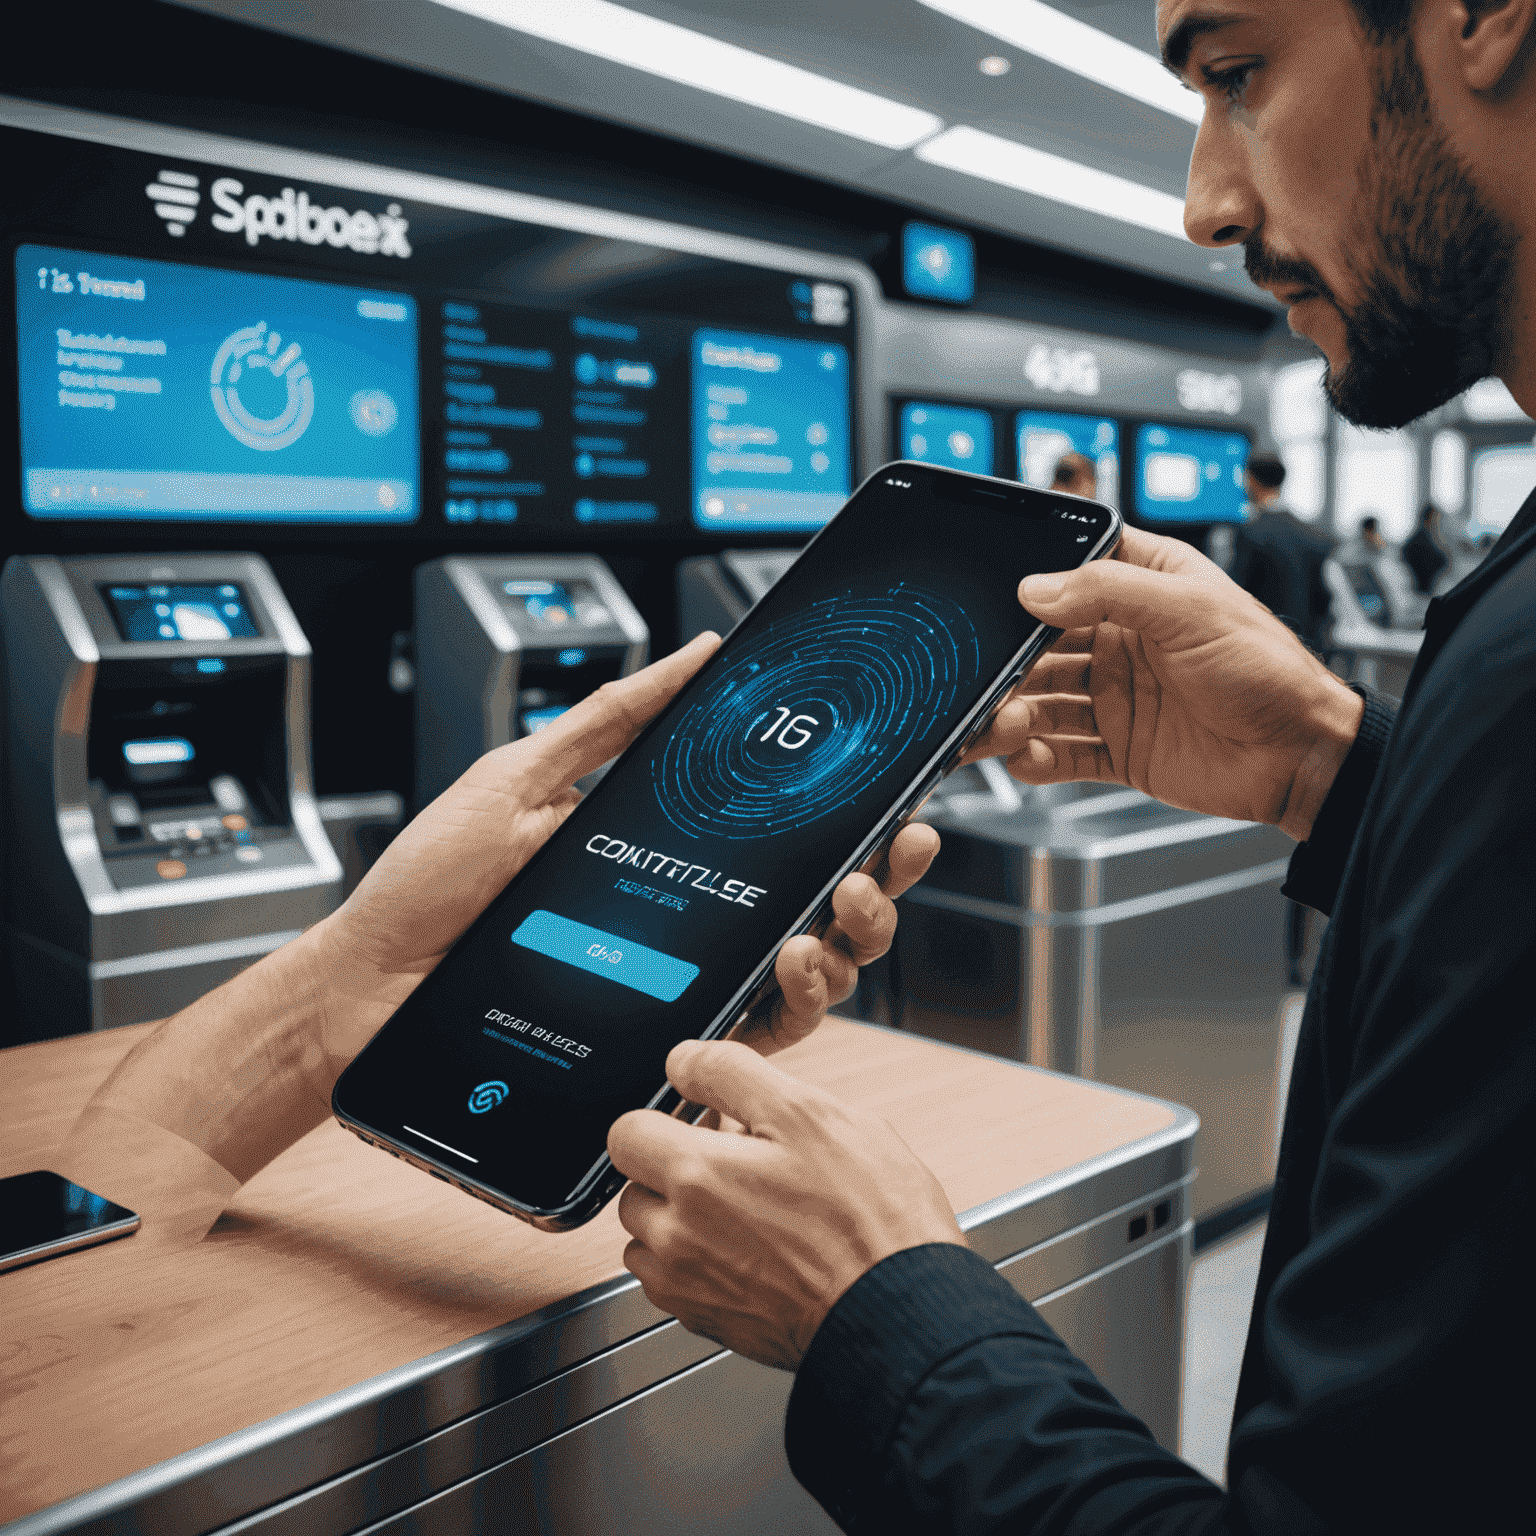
(1011, 164)
(622, 36)
(1072, 44)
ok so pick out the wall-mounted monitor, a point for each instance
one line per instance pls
(1045, 437)
(163, 392)
(772, 438)
(218, 344)
(938, 263)
(1190, 474)
(955, 436)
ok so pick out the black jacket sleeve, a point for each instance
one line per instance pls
(934, 1398)
(1317, 866)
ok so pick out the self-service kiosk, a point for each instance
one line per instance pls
(1364, 647)
(504, 644)
(1090, 929)
(715, 591)
(162, 831)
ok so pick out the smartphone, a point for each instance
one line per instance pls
(43, 1215)
(655, 913)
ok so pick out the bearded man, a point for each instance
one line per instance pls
(1376, 162)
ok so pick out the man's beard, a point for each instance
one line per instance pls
(1433, 264)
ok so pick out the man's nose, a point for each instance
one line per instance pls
(1221, 205)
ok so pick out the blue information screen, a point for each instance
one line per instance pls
(159, 392)
(1045, 436)
(956, 436)
(771, 431)
(938, 263)
(213, 612)
(1191, 475)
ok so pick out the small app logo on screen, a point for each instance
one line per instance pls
(487, 1096)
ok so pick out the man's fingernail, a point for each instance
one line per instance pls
(1042, 589)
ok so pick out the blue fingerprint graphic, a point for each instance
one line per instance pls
(815, 712)
(486, 1097)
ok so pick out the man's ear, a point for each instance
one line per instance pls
(1497, 40)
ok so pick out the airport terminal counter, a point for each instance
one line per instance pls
(355, 1346)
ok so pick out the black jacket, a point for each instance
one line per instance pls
(1279, 559)
(1389, 1360)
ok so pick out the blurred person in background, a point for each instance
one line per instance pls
(1370, 548)
(1076, 474)
(1279, 559)
(1424, 553)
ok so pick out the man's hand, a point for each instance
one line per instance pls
(444, 868)
(1173, 680)
(242, 1073)
(749, 1237)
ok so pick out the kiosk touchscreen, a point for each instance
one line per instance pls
(158, 801)
(504, 644)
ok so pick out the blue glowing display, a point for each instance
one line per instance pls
(938, 263)
(958, 437)
(1044, 436)
(1191, 475)
(771, 434)
(152, 391)
(213, 612)
(811, 715)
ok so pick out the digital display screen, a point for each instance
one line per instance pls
(585, 421)
(640, 920)
(938, 263)
(159, 392)
(215, 612)
(1044, 437)
(772, 439)
(956, 436)
(1191, 475)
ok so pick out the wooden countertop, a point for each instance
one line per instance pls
(337, 1263)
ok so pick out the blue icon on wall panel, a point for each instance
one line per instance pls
(938, 263)
(957, 437)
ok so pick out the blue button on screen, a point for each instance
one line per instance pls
(605, 954)
(938, 263)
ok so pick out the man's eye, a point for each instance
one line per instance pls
(1232, 83)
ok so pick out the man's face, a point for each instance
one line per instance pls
(1320, 153)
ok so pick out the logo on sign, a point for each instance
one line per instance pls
(1210, 393)
(292, 216)
(1062, 371)
(175, 197)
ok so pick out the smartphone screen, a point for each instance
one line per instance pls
(43, 1214)
(651, 914)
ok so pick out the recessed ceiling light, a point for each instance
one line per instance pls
(623, 36)
(1074, 45)
(994, 64)
(1016, 165)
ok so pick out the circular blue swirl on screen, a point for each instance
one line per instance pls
(814, 712)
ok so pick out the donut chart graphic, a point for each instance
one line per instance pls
(815, 712)
(254, 348)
